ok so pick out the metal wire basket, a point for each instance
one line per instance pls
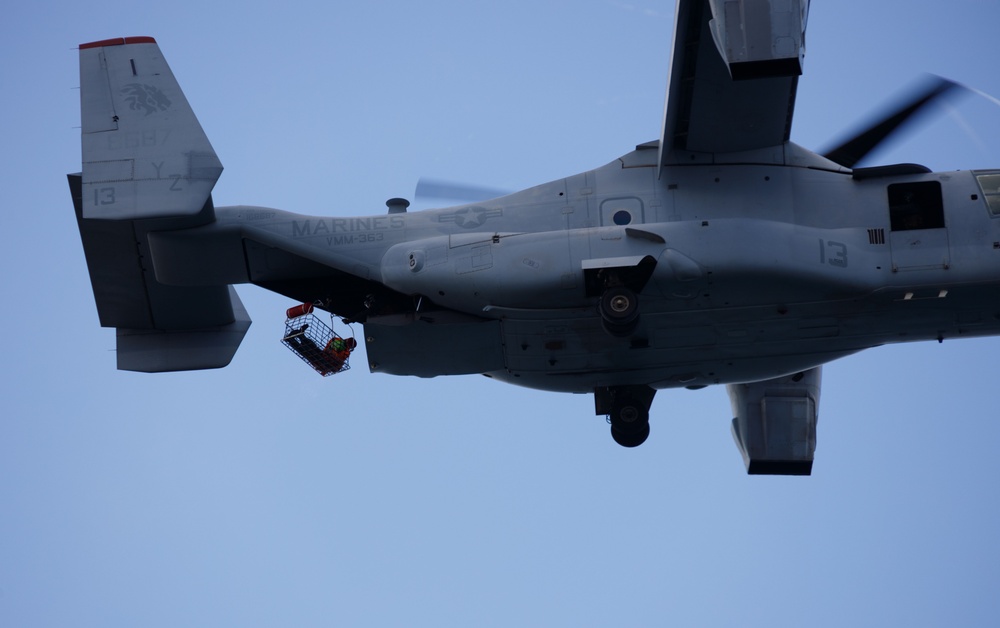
(315, 342)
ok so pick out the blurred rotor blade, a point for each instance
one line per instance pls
(446, 190)
(858, 147)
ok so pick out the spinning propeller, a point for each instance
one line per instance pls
(853, 150)
(447, 190)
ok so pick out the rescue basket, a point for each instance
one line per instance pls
(315, 342)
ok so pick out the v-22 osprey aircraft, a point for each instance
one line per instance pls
(721, 253)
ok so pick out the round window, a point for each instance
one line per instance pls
(622, 217)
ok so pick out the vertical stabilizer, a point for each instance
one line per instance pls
(144, 153)
(147, 168)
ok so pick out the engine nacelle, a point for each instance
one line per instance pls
(775, 423)
(760, 38)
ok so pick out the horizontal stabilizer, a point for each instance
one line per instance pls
(145, 154)
(156, 351)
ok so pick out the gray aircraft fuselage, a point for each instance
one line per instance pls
(752, 272)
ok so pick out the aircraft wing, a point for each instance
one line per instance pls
(733, 74)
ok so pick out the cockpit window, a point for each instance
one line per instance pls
(990, 185)
(916, 206)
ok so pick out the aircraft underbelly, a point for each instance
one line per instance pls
(697, 348)
(571, 351)
(670, 351)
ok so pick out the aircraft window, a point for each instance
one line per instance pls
(622, 217)
(990, 184)
(916, 206)
(621, 211)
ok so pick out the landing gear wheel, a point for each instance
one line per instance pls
(628, 417)
(619, 305)
(627, 409)
(619, 310)
(629, 423)
(630, 438)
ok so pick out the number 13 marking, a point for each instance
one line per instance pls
(104, 196)
(833, 253)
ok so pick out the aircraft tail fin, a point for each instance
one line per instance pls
(147, 167)
(145, 154)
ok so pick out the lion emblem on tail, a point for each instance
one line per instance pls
(145, 97)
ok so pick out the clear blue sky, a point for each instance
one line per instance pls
(264, 495)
